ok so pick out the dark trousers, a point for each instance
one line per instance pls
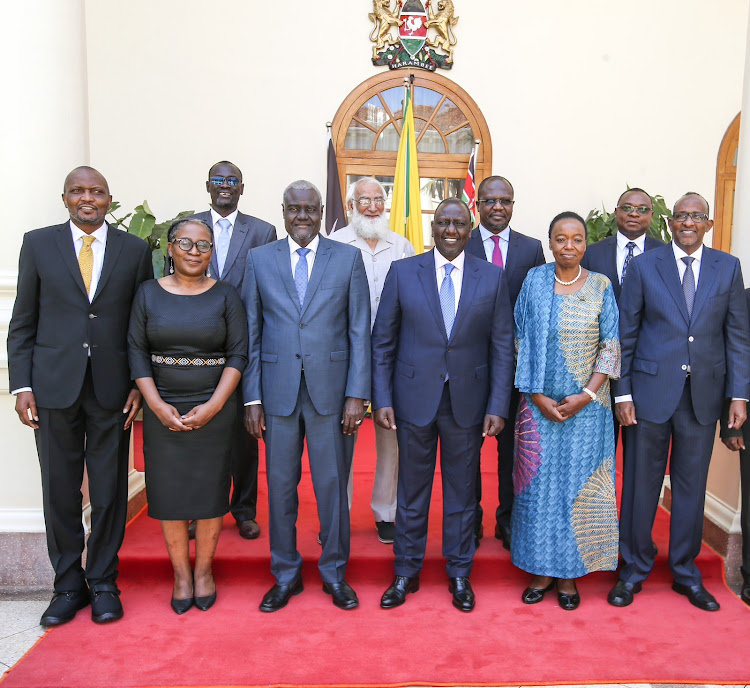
(67, 439)
(459, 458)
(745, 516)
(647, 452)
(329, 452)
(244, 462)
(505, 442)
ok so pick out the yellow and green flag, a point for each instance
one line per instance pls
(406, 208)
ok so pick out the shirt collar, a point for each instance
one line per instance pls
(679, 254)
(100, 234)
(215, 217)
(313, 245)
(486, 234)
(640, 242)
(457, 262)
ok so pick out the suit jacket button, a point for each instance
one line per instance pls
(448, 349)
(297, 356)
(442, 377)
(91, 316)
(690, 339)
(85, 346)
(684, 367)
(302, 326)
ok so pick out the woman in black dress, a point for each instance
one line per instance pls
(187, 348)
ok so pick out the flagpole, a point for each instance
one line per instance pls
(403, 123)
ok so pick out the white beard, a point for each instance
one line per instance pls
(369, 228)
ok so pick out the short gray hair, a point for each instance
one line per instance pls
(301, 185)
(368, 180)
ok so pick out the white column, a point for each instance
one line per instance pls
(43, 135)
(740, 245)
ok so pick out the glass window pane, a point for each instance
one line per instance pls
(455, 187)
(461, 140)
(425, 101)
(373, 112)
(394, 98)
(449, 116)
(427, 230)
(388, 140)
(359, 137)
(431, 142)
(387, 182)
(432, 192)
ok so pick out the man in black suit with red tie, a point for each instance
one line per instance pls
(68, 367)
(495, 242)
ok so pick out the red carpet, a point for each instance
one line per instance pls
(661, 638)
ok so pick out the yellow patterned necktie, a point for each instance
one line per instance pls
(86, 261)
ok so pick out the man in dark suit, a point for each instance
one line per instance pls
(234, 235)
(442, 369)
(68, 367)
(308, 374)
(685, 347)
(738, 439)
(517, 253)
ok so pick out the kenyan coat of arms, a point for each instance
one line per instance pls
(412, 34)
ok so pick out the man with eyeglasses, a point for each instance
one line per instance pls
(442, 363)
(234, 235)
(68, 367)
(516, 253)
(685, 348)
(369, 232)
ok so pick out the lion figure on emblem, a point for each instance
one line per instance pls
(443, 22)
(383, 19)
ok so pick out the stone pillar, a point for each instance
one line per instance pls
(740, 246)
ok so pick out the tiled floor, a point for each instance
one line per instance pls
(20, 629)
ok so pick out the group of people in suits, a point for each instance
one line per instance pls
(249, 338)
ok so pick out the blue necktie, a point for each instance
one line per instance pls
(630, 246)
(222, 244)
(688, 285)
(448, 300)
(300, 274)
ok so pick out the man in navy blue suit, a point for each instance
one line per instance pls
(442, 357)
(685, 347)
(495, 242)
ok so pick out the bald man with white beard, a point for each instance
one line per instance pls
(368, 231)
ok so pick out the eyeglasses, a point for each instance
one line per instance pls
(490, 202)
(697, 217)
(186, 245)
(365, 202)
(220, 181)
(640, 209)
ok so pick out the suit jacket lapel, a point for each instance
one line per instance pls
(65, 245)
(706, 279)
(468, 288)
(426, 274)
(284, 265)
(510, 258)
(239, 233)
(111, 253)
(319, 267)
(611, 268)
(667, 268)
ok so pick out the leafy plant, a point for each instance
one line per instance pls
(142, 223)
(602, 223)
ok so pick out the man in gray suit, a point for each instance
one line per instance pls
(308, 373)
(234, 235)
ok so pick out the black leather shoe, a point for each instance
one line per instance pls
(534, 595)
(502, 532)
(698, 596)
(395, 596)
(622, 594)
(105, 603)
(386, 531)
(63, 607)
(181, 606)
(343, 595)
(745, 592)
(205, 603)
(463, 595)
(568, 601)
(248, 529)
(278, 596)
(191, 530)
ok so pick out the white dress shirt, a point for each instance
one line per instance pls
(622, 250)
(489, 245)
(456, 276)
(215, 217)
(310, 257)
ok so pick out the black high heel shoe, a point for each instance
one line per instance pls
(205, 603)
(534, 595)
(569, 601)
(181, 606)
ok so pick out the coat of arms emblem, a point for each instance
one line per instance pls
(411, 34)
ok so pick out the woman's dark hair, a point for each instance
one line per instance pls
(172, 231)
(568, 215)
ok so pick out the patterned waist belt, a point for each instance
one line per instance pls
(185, 361)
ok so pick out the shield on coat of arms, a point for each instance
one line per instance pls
(413, 31)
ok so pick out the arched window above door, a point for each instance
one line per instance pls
(366, 133)
(726, 180)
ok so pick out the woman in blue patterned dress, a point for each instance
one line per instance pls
(564, 520)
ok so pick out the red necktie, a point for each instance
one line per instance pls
(497, 254)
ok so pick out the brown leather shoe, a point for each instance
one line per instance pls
(248, 529)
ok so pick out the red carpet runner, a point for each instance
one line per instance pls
(661, 638)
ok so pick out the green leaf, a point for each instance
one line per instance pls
(157, 262)
(146, 208)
